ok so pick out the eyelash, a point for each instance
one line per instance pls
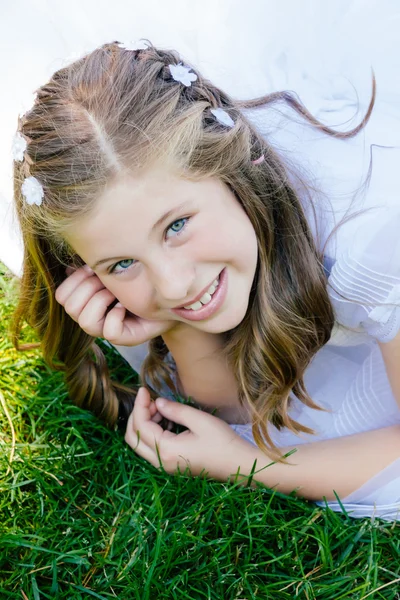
(186, 219)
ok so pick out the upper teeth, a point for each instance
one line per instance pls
(205, 299)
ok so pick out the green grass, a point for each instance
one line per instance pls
(82, 517)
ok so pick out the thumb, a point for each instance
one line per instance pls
(183, 414)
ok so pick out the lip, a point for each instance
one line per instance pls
(197, 297)
(209, 309)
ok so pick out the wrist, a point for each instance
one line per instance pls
(247, 462)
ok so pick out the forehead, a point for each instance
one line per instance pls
(134, 195)
(136, 189)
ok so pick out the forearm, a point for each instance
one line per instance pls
(318, 469)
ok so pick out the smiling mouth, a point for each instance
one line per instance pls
(209, 303)
(206, 297)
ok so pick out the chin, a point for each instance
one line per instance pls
(225, 322)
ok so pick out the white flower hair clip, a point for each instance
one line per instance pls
(222, 117)
(140, 45)
(32, 190)
(182, 74)
(19, 146)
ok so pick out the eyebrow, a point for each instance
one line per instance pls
(168, 214)
(156, 225)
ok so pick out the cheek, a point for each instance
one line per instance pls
(238, 242)
(231, 235)
(246, 240)
(134, 295)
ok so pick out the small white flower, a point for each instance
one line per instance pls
(32, 190)
(222, 117)
(27, 103)
(182, 74)
(18, 147)
(133, 45)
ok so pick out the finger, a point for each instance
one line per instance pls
(141, 407)
(126, 329)
(69, 270)
(192, 418)
(81, 295)
(65, 289)
(151, 434)
(72, 268)
(157, 418)
(144, 451)
(140, 422)
(152, 408)
(114, 328)
(93, 315)
(155, 415)
(147, 329)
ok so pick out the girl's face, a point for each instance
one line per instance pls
(159, 242)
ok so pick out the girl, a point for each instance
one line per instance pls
(182, 222)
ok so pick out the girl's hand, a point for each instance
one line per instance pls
(208, 446)
(87, 301)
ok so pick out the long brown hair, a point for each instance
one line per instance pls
(114, 111)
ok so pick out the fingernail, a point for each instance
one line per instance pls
(88, 269)
(161, 402)
(119, 305)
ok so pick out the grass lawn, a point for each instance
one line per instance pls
(82, 517)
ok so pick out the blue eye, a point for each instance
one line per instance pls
(124, 264)
(177, 226)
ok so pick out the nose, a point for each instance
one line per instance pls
(172, 280)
